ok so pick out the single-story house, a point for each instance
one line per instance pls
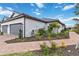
(26, 23)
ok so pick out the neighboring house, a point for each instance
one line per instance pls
(26, 23)
(76, 20)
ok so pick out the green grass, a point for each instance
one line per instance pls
(19, 54)
(37, 53)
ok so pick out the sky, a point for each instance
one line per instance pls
(62, 11)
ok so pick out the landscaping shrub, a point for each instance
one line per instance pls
(41, 32)
(1, 33)
(20, 34)
(32, 33)
(45, 49)
(49, 36)
(37, 36)
(54, 34)
(53, 46)
(58, 36)
(65, 33)
(52, 50)
(63, 45)
(76, 30)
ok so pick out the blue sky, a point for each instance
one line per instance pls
(62, 11)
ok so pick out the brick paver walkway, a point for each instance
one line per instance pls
(29, 46)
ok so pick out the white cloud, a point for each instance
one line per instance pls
(60, 3)
(37, 10)
(1, 9)
(6, 13)
(39, 5)
(69, 25)
(56, 6)
(9, 8)
(67, 7)
(68, 19)
(64, 20)
(37, 13)
(59, 16)
(32, 4)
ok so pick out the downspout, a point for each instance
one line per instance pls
(24, 26)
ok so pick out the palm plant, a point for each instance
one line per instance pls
(77, 9)
(55, 25)
(52, 26)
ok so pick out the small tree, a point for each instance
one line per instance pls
(20, 34)
(1, 33)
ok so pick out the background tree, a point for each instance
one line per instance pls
(75, 19)
(77, 9)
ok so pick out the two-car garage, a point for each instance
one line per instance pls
(14, 28)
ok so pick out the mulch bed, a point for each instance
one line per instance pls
(31, 39)
(69, 51)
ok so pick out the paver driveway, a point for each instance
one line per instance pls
(29, 46)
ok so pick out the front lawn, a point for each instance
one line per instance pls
(36, 53)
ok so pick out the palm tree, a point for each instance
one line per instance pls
(53, 26)
(58, 26)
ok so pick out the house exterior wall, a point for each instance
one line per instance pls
(20, 20)
(0, 27)
(31, 25)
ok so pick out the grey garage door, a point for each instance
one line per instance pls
(4, 28)
(14, 28)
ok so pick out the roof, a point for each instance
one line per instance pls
(45, 20)
(49, 20)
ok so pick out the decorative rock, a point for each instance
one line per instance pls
(77, 44)
(69, 50)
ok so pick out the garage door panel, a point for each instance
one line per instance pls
(14, 28)
(4, 28)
